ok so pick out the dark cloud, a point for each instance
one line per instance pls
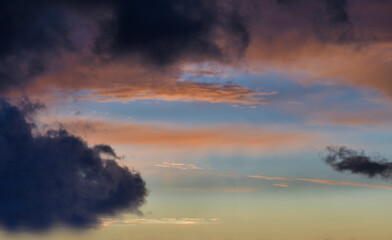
(165, 31)
(154, 31)
(337, 11)
(338, 21)
(343, 159)
(330, 19)
(57, 179)
(29, 31)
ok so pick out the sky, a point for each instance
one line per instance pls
(199, 120)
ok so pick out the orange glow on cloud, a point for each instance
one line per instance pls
(227, 136)
(280, 185)
(364, 118)
(325, 63)
(137, 82)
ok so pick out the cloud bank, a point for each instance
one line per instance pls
(80, 45)
(56, 179)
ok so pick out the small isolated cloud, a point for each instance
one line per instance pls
(57, 179)
(343, 159)
(182, 166)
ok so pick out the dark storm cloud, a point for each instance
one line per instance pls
(56, 179)
(343, 159)
(29, 31)
(166, 31)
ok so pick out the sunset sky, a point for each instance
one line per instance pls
(225, 108)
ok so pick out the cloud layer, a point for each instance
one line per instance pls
(79, 45)
(233, 136)
(57, 179)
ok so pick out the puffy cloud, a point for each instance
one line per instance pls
(57, 179)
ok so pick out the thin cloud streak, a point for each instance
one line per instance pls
(322, 181)
(181, 166)
(171, 221)
(280, 185)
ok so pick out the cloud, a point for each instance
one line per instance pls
(153, 32)
(57, 179)
(373, 117)
(170, 221)
(343, 159)
(65, 44)
(325, 42)
(163, 32)
(181, 166)
(322, 181)
(31, 32)
(280, 185)
(233, 136)
(137, 83)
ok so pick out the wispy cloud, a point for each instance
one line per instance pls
(182, 166)
(322, 181)
(212, 189)
(172, 221)
(280, 185)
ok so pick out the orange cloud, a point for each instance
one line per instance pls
(291, 42)
(369, 67)
(184, 91)
(280, 185)
(127, 81)
(322, 181)
(227, 136)
(364, 118)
